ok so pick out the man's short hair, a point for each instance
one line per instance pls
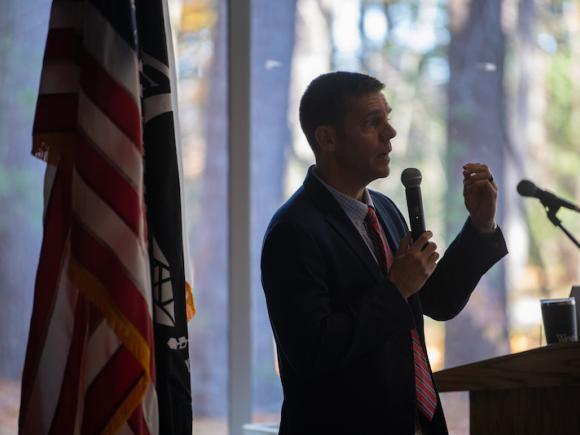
(326, 100)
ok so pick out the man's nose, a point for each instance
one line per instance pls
(389, 131)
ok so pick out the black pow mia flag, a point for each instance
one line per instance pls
(166, 226)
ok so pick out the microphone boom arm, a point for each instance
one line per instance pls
(551, 212)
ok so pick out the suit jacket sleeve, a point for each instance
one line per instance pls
(466, 260)
(313, 335)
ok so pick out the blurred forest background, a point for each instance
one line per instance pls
(469, 80)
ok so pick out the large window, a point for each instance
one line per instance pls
(469, 81)
(200, 34)
(22, 33)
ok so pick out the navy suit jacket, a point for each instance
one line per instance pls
(342, 329)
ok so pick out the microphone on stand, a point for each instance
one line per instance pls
(411, 179)
(551, 203)
(548, 199)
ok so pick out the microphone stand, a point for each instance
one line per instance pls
(551, 211)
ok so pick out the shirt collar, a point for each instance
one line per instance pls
(356, 208)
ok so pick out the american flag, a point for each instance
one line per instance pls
(90, 365)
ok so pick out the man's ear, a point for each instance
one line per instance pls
(326, 138)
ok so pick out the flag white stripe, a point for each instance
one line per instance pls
(151, 409)
(111, 51)
(107, 226)
(122, 153)
(125, 430)
(101, 347)
(59, 79)
(52, 364)
(49, 176)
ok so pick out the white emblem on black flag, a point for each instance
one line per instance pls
(164, 311)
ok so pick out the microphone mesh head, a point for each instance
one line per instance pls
(527, 188)
(411, 177)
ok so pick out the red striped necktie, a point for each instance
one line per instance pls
(382, 250)
(426, 397)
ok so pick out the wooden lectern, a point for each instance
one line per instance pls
(531, 392)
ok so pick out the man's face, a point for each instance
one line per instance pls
(363, 141)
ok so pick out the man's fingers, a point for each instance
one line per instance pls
(433, 257)
(476, 171)
(473, 177)
(470, 176)
(429, 248)
(405, 244)
(479, 185)
(422, 241)
(474, 167)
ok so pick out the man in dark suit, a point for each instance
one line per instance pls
(345, 285)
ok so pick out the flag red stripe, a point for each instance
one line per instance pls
(113, 100)
(65, 414)
(104, 266)
(109, 184)
(62, 45)
(56, 229)
(56, 112)
(113, 382)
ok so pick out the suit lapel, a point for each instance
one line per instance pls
(345, 228)
(339, 221)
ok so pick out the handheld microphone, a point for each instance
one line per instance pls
(411, 179)
(548, 199)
